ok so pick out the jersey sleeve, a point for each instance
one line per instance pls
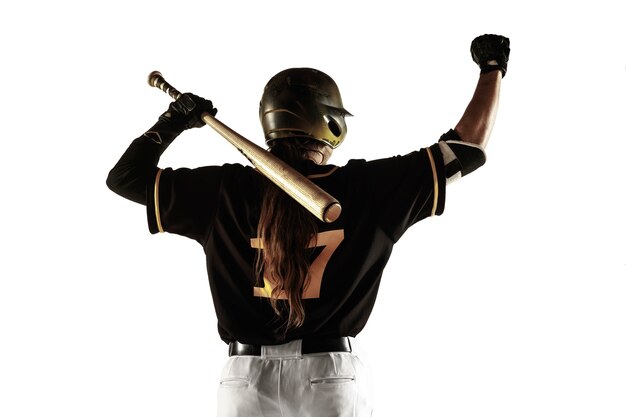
(405, 189)
(184, 201)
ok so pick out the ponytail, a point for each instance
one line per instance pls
(285, 230)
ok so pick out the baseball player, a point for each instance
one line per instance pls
(289, 291)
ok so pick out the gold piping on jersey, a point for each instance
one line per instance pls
(435, 182)
(157, 212)
(324, 174)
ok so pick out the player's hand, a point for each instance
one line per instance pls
(491, 52)
(185, 113)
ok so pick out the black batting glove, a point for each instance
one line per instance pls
(185, 113)
(491, 52)
(182, 114)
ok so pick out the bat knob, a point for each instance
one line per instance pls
(153, 77)
(332, 212)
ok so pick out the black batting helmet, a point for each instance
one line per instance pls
(303, 103)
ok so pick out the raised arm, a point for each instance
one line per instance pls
(491, 53)
(480, 115)
(137, 167)
(464, 146)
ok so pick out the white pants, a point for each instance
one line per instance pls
(283, 382)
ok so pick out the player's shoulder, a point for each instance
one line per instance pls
(225, 169)
(210, 173)
(387, 162)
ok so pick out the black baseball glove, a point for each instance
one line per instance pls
(491, 52)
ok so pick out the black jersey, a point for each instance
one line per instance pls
(218, 206)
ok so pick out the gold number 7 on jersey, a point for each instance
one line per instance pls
(330, 240)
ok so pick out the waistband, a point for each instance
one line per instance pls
(294, 348)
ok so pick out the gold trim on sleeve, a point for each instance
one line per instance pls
(157, 212)
(435, 182)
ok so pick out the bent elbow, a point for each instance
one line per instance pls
(128, 183)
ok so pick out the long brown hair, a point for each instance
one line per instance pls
(285, 230)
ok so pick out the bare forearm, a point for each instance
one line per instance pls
(477, 122)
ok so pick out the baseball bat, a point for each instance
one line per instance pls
(317, 201)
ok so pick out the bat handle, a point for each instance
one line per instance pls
(155, 79)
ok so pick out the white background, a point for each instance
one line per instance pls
(510, 304)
